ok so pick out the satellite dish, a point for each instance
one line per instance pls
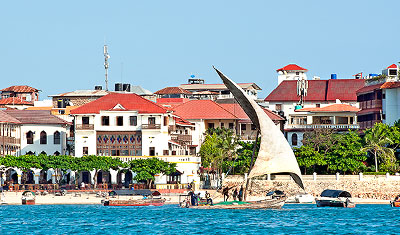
(192, 76)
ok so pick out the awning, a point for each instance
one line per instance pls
(335, 193)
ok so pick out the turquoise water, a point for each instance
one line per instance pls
(170, 219)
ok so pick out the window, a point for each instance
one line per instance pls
(152, 151)
(297, 73)
(392, 72)
(231, 125)
(56, 153)
(165, 152)
(85, 120)
(105, 120)
(85, 151)
(278, 107)
(43, 137)
(133, 120)
(210, 125)
(29, 137)
(222, 125)
(294, 139)
(318, 105)
(152, 120)
(57, 137)
(243, 127)
(120, 121)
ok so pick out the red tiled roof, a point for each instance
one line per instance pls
(292, 67)
(172, 100)
(4, 117)
(389, 85)
(237, 110)
(14, 101)
(393, 66)
(202, 109)
(331, 108)
(181, 121)
(367, 89)
(35, 117)
(343, 89)
(20, 89)
(172, 90)
(318, 90)
(128, 101)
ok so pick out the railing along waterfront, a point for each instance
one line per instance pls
(167, 158)
(323, 126)
(316, 177)
(84, 126)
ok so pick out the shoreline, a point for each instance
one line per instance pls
(85, 198)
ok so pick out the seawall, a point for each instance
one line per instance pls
(379, 188)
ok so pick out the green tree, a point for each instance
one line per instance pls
(308, 157)
(377, 139)
(147, 168)
(347, 155)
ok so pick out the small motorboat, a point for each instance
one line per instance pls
(335, 198)
(396, 202)
(143, 197)
(28, 198)
(304, 198)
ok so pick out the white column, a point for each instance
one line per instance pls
(19, 174)
(36, 175)
(72, 177)
(268, 176)
(113, 174)
(245, 177)
(315, 176)
(361, 176)
(387, 176)
(92, 179)
(123, 178)
(337, 176)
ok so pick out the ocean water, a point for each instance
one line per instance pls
(170, 219)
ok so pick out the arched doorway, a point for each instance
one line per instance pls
(43, 177)
(128, 179)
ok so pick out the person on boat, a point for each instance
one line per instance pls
(192, 198)
(240, 195)
(208, 198)
(225, 192)
(235, 194)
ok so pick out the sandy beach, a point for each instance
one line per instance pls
(87, 198)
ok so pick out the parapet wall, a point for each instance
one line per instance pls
(379, 188)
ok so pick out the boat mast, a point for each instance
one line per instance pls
(251, 165)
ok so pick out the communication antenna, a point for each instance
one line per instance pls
(106, 65)
(302, 87)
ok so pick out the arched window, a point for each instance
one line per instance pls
(43, 153)
(294, 139)
(30, 153)
(29, 137)
(56, 153)
(56, 137)
(43, 137)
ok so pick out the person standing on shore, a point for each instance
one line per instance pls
(235, 194)
(225, 192)
(240, 196)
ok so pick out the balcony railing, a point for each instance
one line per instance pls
(84, 126)
(151, 126)
(181, 137)
(322, 126)
(9, 140)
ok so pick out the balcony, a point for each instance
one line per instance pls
(323, 126)
(181, 138)
(84, 126)
(151, 126)
(9, 140)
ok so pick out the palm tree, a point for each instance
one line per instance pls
(377, 140)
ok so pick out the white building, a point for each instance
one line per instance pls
(34, 132)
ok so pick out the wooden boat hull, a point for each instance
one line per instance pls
(26, 201)
(138, 202)
(334, 203)
(395, 204)
(264, 204)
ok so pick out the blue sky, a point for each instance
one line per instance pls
(57, 46)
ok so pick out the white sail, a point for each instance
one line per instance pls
(275, 154)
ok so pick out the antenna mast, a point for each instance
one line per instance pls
(302, 87)
(106, 65)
